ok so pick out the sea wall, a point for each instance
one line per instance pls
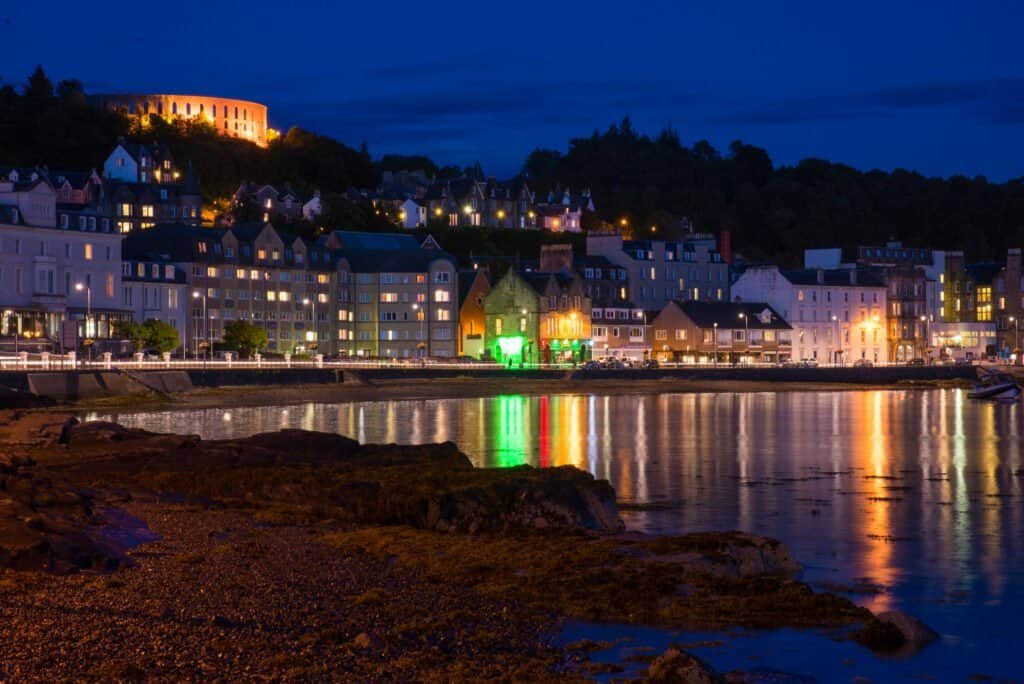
(88, 384)
(71, 385)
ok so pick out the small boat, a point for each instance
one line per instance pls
(998, 386)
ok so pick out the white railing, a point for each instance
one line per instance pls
(57, 362)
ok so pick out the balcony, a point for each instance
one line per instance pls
(49, 300)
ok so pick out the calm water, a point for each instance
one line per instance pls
(918, 492)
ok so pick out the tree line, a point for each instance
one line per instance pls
(775, 212)
(645, 185)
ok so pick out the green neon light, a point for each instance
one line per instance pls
(511, 346)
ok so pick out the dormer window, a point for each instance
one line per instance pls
(64, 221)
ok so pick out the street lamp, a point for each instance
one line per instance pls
(642, 315)
(839, 341)
(924, 335)
(88, 310)
(746, 331)
(1016, 337)
(306, 301)
(199, 295)
(715, 340)
(421, 316)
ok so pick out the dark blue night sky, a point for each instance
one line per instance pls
(937, 87)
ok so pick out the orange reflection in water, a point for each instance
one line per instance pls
(871, 513)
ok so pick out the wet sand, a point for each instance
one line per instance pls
(465, 388)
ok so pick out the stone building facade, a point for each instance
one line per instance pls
(232, 118)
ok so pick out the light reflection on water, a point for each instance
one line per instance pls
(918, 491)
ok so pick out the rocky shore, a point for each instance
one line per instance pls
(294, 556)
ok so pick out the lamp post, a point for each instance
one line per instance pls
(199, 295)
(839, 342)
(306, 301)
(924, 335)
(421, 316)
(715, 340)
(746, 332)
(524, 355)
(1016, 336)
(88, 311)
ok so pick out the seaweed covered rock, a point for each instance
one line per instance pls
(675, 666)
(45, 525)
(895, 632)
(729, 554)
(433, 486)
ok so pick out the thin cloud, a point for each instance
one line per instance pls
(991, 100)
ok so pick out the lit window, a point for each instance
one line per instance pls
(441, 295)
(88, 251)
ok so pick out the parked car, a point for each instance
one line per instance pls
(809, 363)
(863, 363)
(591, 365)
(915, 362)
(651, 364)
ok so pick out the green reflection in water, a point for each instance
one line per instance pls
(510, 433)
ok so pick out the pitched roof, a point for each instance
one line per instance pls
(834, 277)
(727, 315)
(392, 260)
(171, 242)
(983, 272)
(351, 239)
(467, 278)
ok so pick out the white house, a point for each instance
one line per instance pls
(50, 272)
(313, 209)
(412, 215)
(838, 316)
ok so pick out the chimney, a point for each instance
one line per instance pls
(725, 245)
(556, 258)
(821, 276)
(1013, 260)
(853, 276)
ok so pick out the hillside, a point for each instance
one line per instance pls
(774, 212)
(56, 127)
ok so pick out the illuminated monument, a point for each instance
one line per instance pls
(233, 118)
